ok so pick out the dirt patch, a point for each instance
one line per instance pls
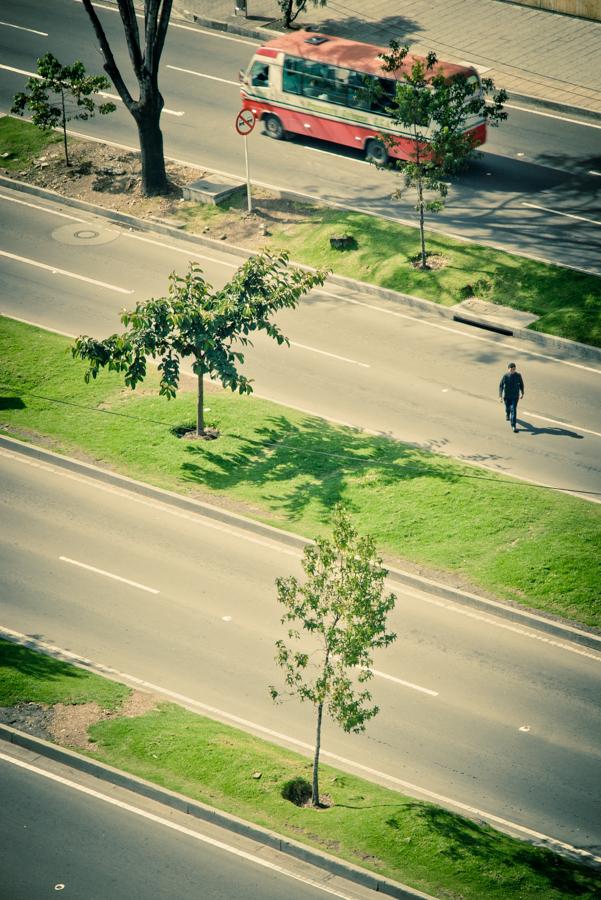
(111, 178)
(67, 724)
(70, 723)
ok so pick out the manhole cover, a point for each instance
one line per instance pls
(78, 234)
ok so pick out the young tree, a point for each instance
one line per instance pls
(293, 8)
(342, 608)
(58, 94)
(147, 109)
(435, 109)
(196, 321)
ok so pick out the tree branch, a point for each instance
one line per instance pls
(132, 35)
(110, 66)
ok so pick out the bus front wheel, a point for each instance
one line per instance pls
(376, 152)
(274, 128)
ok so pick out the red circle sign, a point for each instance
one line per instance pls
(245, 121)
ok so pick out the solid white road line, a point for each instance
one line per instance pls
(57, 271)
(168, 823)
(546, 115)
(558, 212)
(29, 74)
(332, 355)
(169, 112)
(220, 714)
(409, 684)
(561, 424)
(135, 584)
(21, 28)
(47, 209)
(202, 75)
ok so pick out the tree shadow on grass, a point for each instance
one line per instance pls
(313, 462)
(35, 664)
(11, 403)
(467, 840)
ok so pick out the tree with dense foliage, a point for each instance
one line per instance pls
(145, 61)
(342, 610)
(195, 320)
(436, 111)
(57, 94)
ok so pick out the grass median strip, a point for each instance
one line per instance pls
(381, 252)
(396, 836)
(289, 469)
(567, 303)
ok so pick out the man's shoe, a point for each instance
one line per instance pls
(515, 429)
(507, 418)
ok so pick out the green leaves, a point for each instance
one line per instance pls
(59, 93)
(196, 321)
(342, 610)
(439, 112)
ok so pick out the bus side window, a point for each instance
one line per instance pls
(259, 75)
(291, 77)
(360, 90)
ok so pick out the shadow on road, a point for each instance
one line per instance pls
(557, 432)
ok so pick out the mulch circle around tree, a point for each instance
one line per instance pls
(433, 261)
(209, 434)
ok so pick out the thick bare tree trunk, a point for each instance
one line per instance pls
(154, 175)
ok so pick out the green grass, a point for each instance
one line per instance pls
(568, 303)
(23, 142)
(400, 838)
(28, 677)
(522, 543)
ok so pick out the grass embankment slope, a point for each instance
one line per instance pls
(568, 303)
(400, 838)
(519, 542)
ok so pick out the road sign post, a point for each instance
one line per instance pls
(245, 122)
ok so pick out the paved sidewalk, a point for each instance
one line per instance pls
(532, 53)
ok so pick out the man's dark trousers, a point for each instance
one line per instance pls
(511, 409)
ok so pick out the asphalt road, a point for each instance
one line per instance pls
(532, 191)
(473, 709)
(354, 359)
(63, 833)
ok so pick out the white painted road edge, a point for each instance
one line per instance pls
(82, 565)
(246, 724)
(174, 826)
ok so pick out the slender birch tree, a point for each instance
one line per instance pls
(339, 613)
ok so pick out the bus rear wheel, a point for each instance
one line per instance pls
(274, 128)
(376, 152)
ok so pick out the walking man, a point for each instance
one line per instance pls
(511, 388)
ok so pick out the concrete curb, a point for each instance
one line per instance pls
(206, 813)
(561, 630)
(546, 341)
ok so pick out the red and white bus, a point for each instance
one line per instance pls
(335, 90)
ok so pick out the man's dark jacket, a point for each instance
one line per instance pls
(511, 386)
